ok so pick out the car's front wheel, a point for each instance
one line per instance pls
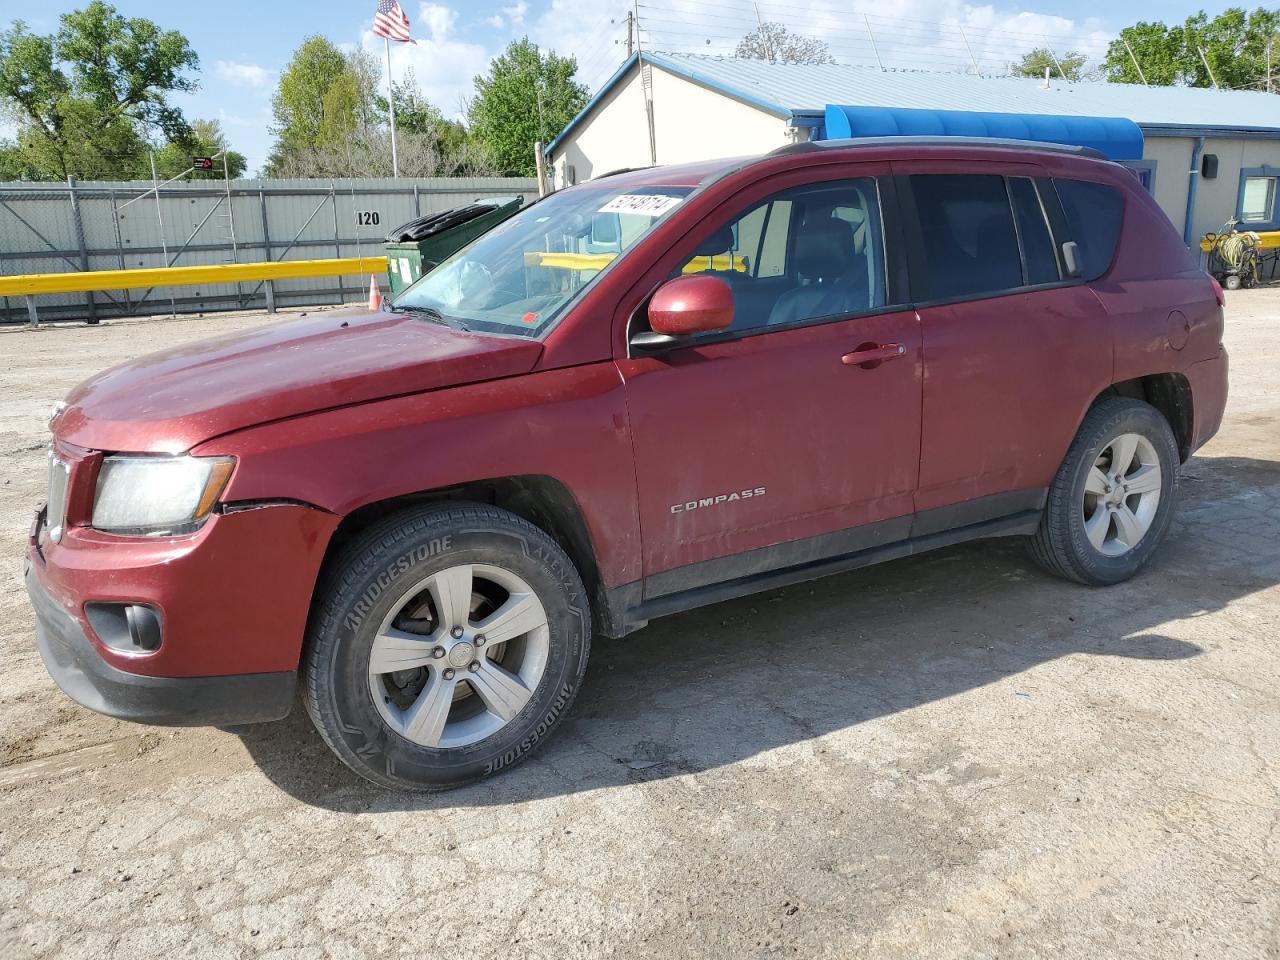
(447, 644)
(1111, 502)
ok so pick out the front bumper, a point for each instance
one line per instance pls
(84, 676)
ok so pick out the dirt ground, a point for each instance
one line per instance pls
(948, 756)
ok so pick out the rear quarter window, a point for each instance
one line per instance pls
(1093, 212)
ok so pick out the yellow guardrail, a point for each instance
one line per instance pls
(27, 285)
(598, 261)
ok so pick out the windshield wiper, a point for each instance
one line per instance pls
(429, 313)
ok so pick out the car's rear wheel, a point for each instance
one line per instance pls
(1111, 502)
(447, 644)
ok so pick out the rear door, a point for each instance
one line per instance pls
(1014, 352)
(764, 446)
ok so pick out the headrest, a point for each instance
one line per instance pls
(824, 249)
(718, 242)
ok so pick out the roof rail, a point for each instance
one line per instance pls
(622, 170)
(811, 146)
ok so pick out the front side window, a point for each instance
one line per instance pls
(518, 277)
(1258, 200)
(970, 242)
(803, 254)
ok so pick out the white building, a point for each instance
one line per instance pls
(1212, 153)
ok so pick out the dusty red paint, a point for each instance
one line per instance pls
(342, 411)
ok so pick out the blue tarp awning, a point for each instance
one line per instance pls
(1116, 137)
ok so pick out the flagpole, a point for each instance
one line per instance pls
(391, 100)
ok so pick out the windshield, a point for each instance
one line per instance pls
(517, 278)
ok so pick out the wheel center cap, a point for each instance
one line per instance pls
(461, 654)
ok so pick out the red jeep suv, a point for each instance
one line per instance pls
(660, 389)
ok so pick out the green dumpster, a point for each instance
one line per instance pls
(419, 245)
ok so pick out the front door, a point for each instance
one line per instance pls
(795, 434)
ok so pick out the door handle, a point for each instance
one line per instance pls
(870, 354)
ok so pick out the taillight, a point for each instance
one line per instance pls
(1218, 293)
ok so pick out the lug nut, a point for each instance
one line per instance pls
(457, 632)
(475, 665)
(479, 639)
(448, 674)
(438, 652)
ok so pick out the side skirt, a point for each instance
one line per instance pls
(636, 612)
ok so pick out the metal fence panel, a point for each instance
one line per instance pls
(101, 225)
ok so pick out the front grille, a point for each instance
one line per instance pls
(56, 516)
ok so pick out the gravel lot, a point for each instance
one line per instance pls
(947, 756)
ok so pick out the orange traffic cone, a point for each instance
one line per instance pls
(375, 295)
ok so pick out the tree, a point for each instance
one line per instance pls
(88, 97)
(774, 43)
(324, 101)
(421, 125)
(1069, 66)
(207, 140)
(1235, 43)
(526, 97)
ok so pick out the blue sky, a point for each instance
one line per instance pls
(243, 44)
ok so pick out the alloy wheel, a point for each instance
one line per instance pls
(1122, 494)
(459, 656)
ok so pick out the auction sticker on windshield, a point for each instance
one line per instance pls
(644, 204)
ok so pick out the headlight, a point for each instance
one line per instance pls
(158, 495)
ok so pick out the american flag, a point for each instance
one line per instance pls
(390, 21)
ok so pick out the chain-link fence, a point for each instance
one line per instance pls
(54, 228)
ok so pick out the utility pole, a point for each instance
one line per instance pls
(631, 43)
(1269, 42)
(1137, 66)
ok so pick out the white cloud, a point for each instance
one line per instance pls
(909, 34)
(439, 20)
(495, 21)
(516, 12)
(244, 74)
(443, 65)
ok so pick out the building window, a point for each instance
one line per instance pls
(1258, 200)
(1256, 205)
(1144, 170)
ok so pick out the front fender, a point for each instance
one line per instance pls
(569, 424)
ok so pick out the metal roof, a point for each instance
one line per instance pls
(802, 92)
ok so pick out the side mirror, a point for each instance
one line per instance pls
(685, 306)
(1071, 259)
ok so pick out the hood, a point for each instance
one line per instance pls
(168, 402)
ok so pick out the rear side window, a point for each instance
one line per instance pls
(970, 243)
(1093, 212)
(1033, 227)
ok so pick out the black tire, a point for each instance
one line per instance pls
(363, 586)
(1061, 545)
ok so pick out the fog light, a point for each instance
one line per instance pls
(132, 628)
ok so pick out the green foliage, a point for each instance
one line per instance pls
(1235, 43)
(88, 97)
(421, 122)
(1069, 66)
(325, 100)
(526, 97)
(206, 140)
